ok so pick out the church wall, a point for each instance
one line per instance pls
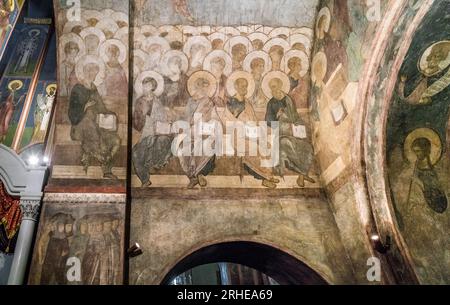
(344, 31)
(169, 221)
(169, 230)
(83, 218)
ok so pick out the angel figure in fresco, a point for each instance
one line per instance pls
(42, 113)
(296, 153)
(240, 87)
(153, 151)
(201, 86)
(25, 50)
(8, 106)
(92, 123)
(432, 65)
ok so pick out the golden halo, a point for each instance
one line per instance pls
(171, 54)
(155, 40)
(275, 74)
(11, 5)
(148, 30)
(120, 17)
(229, 30)
(276, 42)
(195, 40)
(68, 26)
(92, 14)
(90, 59)
(299, 54)
(119, 44)
(244, 29)
(51, 86)
(107, 25)
(325, 11)
(300, 38)
(258, 36)
(218, 54)
(228, 46)
(19, 82)
(72, 37)
(123, 35)
(280, 31)
(206, 75)
(156, 76)
(423, 65)
(432, 136)
(258, 54)
(237, 75)
(143, 57)
(218, 35)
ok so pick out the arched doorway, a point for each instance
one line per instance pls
(276, 264)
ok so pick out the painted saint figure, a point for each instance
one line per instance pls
(116, 81)
(239, 108)
(67, 68)
(54, 265)
(93, 124)
(202, 85)
(7, 108)
(25, 50)
(433, 64)
(296, 153)
(154, 148)
(42, 114)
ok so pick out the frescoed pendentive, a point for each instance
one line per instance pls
(418, 145)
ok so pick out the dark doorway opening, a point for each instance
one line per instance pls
(276, 264)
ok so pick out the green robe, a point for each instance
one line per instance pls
(295, 154)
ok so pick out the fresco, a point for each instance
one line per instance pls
(93, 93)
(28, 43)
(41, 111)
(344, 31)
(418, 147)
(245, 74)
(9, 12)
(89, 234)
(13, 94)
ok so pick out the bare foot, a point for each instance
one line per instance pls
(274, 180)
(202, 181)
(146, 184)
(301, 181)
(110, 176)
(192, 183)
(269, 184)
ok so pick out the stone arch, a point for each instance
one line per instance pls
(279, 264)
(375, 94)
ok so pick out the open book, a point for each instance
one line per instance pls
(107, 121)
